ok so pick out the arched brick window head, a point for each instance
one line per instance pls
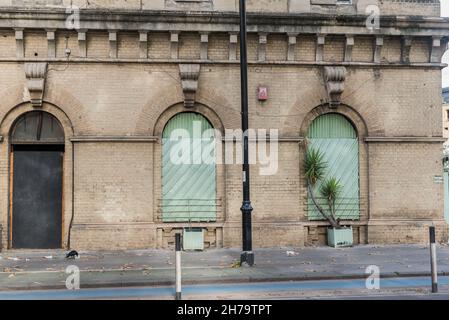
(37, 127)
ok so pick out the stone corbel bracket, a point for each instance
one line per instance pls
(36, 74)
(335, 78)
(190, 74)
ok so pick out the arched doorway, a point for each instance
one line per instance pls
(337, 140)
(37, 152)
(189, 170)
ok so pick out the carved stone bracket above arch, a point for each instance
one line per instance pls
(36, 74)
(334, 78)
(190, 74)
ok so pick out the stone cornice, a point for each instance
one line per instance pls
(223, 22)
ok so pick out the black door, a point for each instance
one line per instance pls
(37, 197)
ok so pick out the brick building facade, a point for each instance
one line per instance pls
(115, 81)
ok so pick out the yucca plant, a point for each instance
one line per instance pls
(315, 168)
(331, 190)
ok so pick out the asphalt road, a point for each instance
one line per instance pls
(391, 289)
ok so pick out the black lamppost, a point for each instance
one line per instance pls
(247, 254)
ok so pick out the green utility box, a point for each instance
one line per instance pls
(339, 238)
(193, 239)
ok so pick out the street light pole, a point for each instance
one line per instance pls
(247, 254)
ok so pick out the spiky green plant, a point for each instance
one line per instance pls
(315, 168)
(330, 190)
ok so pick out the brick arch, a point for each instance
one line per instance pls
(361, 128)
(55, 96)
(157, 131)
(6, 125)
(306, 102)
(169, 113)
(10, 118)
(361, 107)
(352, 115)
(70, 105)
(170, 97)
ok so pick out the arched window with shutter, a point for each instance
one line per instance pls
(337, 140)
(189, 186)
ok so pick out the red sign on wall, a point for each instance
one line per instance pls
(263, 94)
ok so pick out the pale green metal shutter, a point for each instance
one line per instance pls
(336, 138)
(189, 190)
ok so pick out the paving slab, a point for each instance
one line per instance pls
(22, 270)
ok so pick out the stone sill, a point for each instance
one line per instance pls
(118, 139)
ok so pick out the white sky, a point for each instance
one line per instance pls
(445, 13)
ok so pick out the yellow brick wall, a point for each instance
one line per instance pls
(396, 182)
(391, 50)
(363, 49)
(334, 49)
(35, 44)
(7, 44)
(277, 47)
(159, 45)
(305, 48)
(218, 47)
(420, 51)
(97, 45)
(103, 188)
(128, 45)
(116, 194)
(189, 45)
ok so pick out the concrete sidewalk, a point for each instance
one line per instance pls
(20, 270)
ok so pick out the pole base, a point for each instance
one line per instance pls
(247, 258)
(178, 296)
(434, 287)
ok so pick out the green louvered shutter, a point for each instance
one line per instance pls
(336, 138)
(189, 190)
